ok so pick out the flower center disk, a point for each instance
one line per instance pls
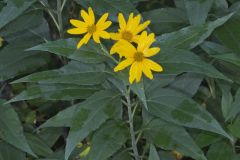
(138, 56)
(127, 36)
(92, 29)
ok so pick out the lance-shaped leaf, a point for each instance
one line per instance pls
(13, 10)
(90, 53)
(56, 92)
(11, 129)
(197, 10)
(192, 36)
(91, 114)
(172, 137)
(177, 108)
(8, 152)
(176, 61)
(107, 140)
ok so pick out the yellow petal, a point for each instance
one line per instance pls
(115, 36)
(134, 23)
(147, 71)
(102, 19)
(132, 73)
(85, 16)
(84, 40)
(121, 20)
(91, 16)
(96, 38)
(153, 65)
(122, 65)
(104, 25)
(139, 71)
(77, 30)
(124, 48)
(151, 52)
(104, 34)
(78, 23)
(145, 41)
(141, 27)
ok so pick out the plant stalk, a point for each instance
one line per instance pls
(131, 127)
(59, 14)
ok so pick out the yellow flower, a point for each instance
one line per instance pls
(138, 57)
(1, 41)
(129, 31)
(89, 28)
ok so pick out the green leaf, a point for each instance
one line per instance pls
(11, 129)
(235, 108)
(38, 145)
(8, 152)
(63, 76)
(107, 140)
(14, 61)
(138, 89)
(177, 108)
(192, 36)
(234, 127)
(90, 53)
(111, 7)
(12, 11)
(204, 139)
(220, 53)
(183, 82)
(165, 20)
(172, 137)
(122, 155)
(62, 119)
(220, 151)
(56, 92)
(229, 34)
(92, 113)
(197, 10)
(176, 61)
(153, 154)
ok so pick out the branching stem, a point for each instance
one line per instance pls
(131, 127)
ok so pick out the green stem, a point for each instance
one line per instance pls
(59, 14)
(131, 127)
(106, 53)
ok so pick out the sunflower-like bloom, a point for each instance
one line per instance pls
(129, 30)
(138, 57)
(1, 41)
(89, 28)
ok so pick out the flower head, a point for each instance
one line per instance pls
(138, 57)
(90, 28)
(129, 30)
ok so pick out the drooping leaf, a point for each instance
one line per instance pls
(90, 115)
(176, 61)
(177, 108)
(90, 53)
(107, 140)
(197, 10)
(11, 129)
(8, 152)
(172, 137)
(192, 36)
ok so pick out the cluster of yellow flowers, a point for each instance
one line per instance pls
(127, 37)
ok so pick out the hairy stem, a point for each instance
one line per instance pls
(131, 127)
